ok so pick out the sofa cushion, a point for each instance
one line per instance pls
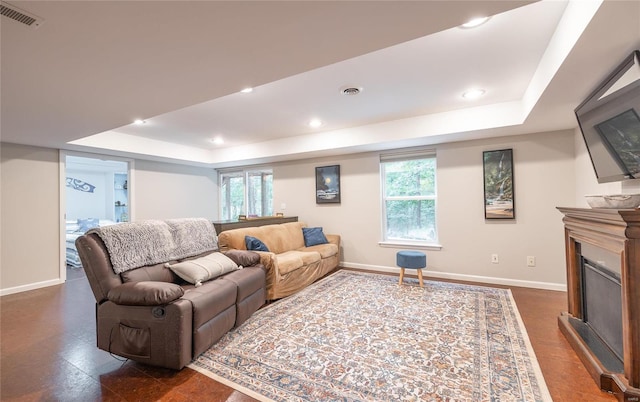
(255, 244)
(205, 268)
(145, 293)
(278, 238)
(313, 236)
(292, 260)
(210, 299)
(248, 281)
(325, 250)
(157, 272)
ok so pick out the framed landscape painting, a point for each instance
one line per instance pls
(499, 200)
(328, 184)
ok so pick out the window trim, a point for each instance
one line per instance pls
(405, 155)
(408, 244)
(244, 172)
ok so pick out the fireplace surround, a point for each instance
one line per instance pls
(602, 323)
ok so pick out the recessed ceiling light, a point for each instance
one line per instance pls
(473, 93)
(475, 22)
(247, 90)
(315, 123)
(139, 122)
(218, 140)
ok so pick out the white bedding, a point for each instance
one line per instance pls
(73, 231)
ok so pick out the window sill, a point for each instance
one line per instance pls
(409, 244)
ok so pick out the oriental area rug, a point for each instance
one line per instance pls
(361, 337)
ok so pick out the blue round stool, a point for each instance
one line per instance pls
(411, 260)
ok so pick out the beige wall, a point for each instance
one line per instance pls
(30, 207)
(551, 169)
(544, 178)
(166, 191)
(30, 242)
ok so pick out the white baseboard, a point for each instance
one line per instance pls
(462, 277)
(30, 286)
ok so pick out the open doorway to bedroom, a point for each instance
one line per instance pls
(97, 192)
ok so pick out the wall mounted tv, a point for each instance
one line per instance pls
(610, 123)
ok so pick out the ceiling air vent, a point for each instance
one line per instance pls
(16, 14)
(350, 90)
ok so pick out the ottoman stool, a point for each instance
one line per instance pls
(411, 260)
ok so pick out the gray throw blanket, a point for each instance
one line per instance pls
(136, 244)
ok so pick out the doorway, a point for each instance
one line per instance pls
(96, 193)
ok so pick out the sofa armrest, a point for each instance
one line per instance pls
(243, 258)
(145, 293)
(269, 260)
(333, 239)
(156, 335)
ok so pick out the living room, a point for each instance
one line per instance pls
(551, 169)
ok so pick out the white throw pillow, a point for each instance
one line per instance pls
(204, 268)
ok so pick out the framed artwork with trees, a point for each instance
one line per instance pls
(499, 200)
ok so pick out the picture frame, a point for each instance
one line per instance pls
(499, 192)
(328, 184)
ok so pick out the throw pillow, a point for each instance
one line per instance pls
(204, 268)
(254, 244)
(313, 236)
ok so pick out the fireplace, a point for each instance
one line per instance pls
(600, 296)
(602, 323)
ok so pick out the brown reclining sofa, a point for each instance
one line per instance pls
(150, 314)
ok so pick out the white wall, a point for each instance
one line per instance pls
(30, 205)
(30, 242)
(544, 179)
(81, 204)
(166, 191)
(550, 170)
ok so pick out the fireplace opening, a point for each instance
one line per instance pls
(602, 304)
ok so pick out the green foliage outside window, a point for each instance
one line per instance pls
(246, 193)
(410, 199)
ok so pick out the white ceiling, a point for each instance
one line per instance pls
(80, 79)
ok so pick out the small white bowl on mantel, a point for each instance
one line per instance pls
(614, 201)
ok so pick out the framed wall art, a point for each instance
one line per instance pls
(328, 184)
(499, 200)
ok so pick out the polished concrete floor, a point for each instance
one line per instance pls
(48, 353)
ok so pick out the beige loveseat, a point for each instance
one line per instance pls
(290, 265)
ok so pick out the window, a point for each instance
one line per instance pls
(246, 192)
(409, 197)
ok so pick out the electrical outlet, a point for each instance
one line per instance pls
(494, 258)
(531, 261)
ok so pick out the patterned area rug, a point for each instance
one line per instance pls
(360, 337)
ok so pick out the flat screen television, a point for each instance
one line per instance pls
(610, 123)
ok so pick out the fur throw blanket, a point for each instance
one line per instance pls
(136, 244)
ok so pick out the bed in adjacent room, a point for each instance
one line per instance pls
(76, 228)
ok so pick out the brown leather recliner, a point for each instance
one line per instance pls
(151, 316)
